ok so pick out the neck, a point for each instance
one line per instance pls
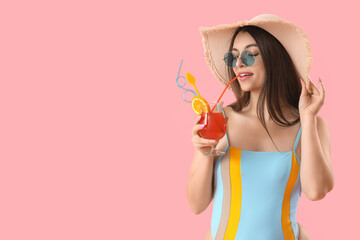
(251, 107)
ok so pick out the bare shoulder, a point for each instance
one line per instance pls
(228, 111)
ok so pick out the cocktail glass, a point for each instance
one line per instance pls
(215, 126)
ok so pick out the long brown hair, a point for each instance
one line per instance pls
(281, 85)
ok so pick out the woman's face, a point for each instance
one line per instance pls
(244, 41)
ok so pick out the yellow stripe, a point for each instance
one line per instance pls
(285, 215)
(235, 204)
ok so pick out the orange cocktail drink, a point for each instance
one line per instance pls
(215, 125)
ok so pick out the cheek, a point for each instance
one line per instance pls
(262, 72)
(261, 76)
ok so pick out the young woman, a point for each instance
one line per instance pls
(276, 146)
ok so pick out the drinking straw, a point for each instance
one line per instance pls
(224, 91)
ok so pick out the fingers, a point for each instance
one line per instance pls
(204, 142)
(198, 141)
(309, 88)
(303, 87)
(196, 128)
(202, 145)
(312, 87)
(322, 93)
(197, 119)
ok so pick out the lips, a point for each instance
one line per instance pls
(245, 75)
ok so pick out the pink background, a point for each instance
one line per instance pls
(95, 136)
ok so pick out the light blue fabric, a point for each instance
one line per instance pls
(296, 144)
(264, 176)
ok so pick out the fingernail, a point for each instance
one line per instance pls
(202, 125)
(213, 141)
(320, 80)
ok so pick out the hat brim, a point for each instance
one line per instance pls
(216, 42)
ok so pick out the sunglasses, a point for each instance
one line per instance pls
(247, 58)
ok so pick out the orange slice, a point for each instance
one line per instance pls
(200, 105)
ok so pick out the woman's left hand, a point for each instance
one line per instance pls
(311, 98)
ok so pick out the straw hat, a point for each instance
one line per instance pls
(216, 42)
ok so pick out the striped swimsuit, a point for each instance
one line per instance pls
(256, 195)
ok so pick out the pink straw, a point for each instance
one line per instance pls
(224, 91)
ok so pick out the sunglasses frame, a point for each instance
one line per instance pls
(243, 56)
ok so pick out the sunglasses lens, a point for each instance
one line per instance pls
(247, 58)
(230, 59)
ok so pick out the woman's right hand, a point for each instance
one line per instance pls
(201, 144)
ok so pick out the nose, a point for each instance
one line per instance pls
(239, 63)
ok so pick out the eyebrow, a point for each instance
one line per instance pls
(247, 46)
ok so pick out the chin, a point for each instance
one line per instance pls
(246, 87)
(250, 89)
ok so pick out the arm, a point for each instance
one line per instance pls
(199, 188)
(316, 174)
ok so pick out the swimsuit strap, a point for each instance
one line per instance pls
(226, 132)
(297, 139)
